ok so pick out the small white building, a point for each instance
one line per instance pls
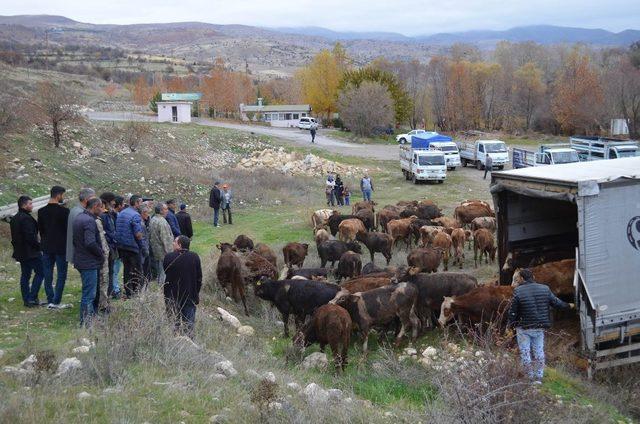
(274, 115)
(174, 111)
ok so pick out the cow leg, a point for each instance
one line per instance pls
(285, 319)
(365, 335)
(415, 324)
(475, 257)
(244, 303)
(387, 256)
(371, 252)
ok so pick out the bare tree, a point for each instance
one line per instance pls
(10, 120)
(57, 105)
(365, 107)
(134, 133)
(623, 90)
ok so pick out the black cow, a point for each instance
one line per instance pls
(335, 220)
(349, 266)
(415, 228)
(332, 250)
(377, 242)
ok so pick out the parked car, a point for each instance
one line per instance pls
(306, 122)
(404, 138)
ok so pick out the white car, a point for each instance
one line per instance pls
(307, 122)
(404, 138)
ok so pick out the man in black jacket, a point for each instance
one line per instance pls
(215, 198)
(52, 223)
(26, 250)
(88, 256)
(182, 287)
(529, 314)
(184, 221)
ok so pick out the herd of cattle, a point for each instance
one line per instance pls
(328, 303)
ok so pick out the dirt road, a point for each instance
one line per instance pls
(293, 135)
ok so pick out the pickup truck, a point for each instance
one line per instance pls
(476, 153)
(420, 164)
(596, 148)
(450, 150)
(550, 154)
(406, 138)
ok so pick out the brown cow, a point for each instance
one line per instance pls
(367, 217)
(319, 218)
(229, 274)
(349, 265)
(486, 222)
(321, 236)
(386, 215)
(365, 204)
(377, 242)
(366, 283)
(259, 267)
(557, 275)
(349, 228)
(401, 229)
(481, 305)
(294, 253)
(472, 201)
(458, 237)
(484, 243)
(266, 252)
(446, 222)
(330, 325)
(442, 240)
(424, 260)
(468, 212)
(243, 243)
(428, 233)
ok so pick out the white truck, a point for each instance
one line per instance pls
(450, 150)
(547, 154)
(476, 153)
(420, 164)
(596, 148)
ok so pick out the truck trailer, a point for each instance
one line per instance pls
(420, 163)
(596, 148)
(547, 154)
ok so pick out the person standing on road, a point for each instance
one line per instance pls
(226, 204)
(129, 238)
(171, 217)
(337, 190)
(184, 220)
(312, 130)
(488, 165)
(88, 256)
(26, 250)
(215, 199)
(529, 314)
(160, 238)
(83, 197)
(328, 190)
(182, 290)
(52, 223)
(366, 186)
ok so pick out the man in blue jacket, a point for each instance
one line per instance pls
(88, 256)
(129, 239)
(172, 219)
(529, 314)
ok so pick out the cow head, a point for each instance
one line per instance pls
(340, 297)
(354, 246)
(260, 288)
(446, 313)
(414, 270)
(517, 279)
(306, 247)
(468, 235)
(225, 247)
(508, 263)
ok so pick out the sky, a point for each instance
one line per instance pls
(409, 17)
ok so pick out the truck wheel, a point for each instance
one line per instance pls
(403, 140)
(440, 181)
(501, 167)
(479, 165)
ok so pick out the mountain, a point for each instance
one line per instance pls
(337, 35)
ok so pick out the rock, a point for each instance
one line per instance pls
(253, 373)
(69, 364)
(429, 352)
(218, 419)
(112, 390)
(348, 400)
(315, 393)
(85, 342)
(228, 318)
(83, 395)
(94, 152)
(11, 299)
(335, 394)
(409, 351)
(269, 376)
(226, 368)
(1, 353)
(315, 360)
(16, 371)
(186, 342)
(275, 406)
(246, 330)
(217, 377)
(76, 145)
(81, 349)
(29, 363)
(294, 386)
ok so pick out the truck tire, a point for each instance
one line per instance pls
(479, 165)
(403, 140)
(501, 167)
(440, 181)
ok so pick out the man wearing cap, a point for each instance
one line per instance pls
(226, 204)
(215, 199)
(184, 221)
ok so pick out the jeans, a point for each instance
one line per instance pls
(486, 169)
(330, 198)
(50, 260)
(132, 265)
(216, 214)
(531, 344)
(184, 315)
(366, 194)
(89, 279)
(30, 291)
(115, 288)
(346, 200)
(226, 214)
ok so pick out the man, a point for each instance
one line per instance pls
(101, 301)
(312, 130)
(171, 218)
(215, 198)
(108, 218)
(26, 250)
(160, 238)
(114, 289)
(328, 189)
(226, 204)
(337, 190)
(529, 314)
(52, 223)
(129, 239)
(148, 270)
(488, 165)
(184, 221)
(184, 279)
(88, 256)
(366, 186)
(83, 197)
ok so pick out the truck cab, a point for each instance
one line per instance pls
(451, 152)
(596, 148)
(423, 164)
(476, 153)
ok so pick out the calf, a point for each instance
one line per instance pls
(332, 250)
(428, 233)
(294, 254)
(385, 216)
(349, 265)
(321, 235)
(484, 304)
(365, 204)
(243, 243)
(367, 217)
(229, 274)
(467, 212)
(319, 218)
(401, 229)
(259, 267)
(447, 222)
(484, 243)
(458, 238)
(415, 228)
(349, 228)
(299, 298)
(383, 306)
(442, 241)
(424, 260)
(557, 275)
(487, 222)
(266, 252)
(329, 325)
(334, 221)
(377, 242)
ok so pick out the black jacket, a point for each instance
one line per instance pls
(52, 223)
(531, 304)
(338, 188)
(184, 277)
(215, 198)
(24, 236)
(184, 221)
(87, 246)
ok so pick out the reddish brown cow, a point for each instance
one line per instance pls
(349, 229)
(229, 273)
(442, 240)
(243, 243)
(424, 260)
(458, 238)
(468, 212)
(385, 216)
(363, 284)
(486, 222)
(266, 252)
(401, 229)
(484, 243)
(428, 233)
(349, 265)
(365, 204)
(377, 242)
(294, 253)
(259, 267)
(367, 217)
(446, 222)
(481, 305)
(557, 275)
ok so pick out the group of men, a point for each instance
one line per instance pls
(220, 198)
(99, 236)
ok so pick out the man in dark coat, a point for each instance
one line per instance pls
(27, 251)
(215, 199)
(172, 219)
(183, 283)
(529, 314)
(184, 221)
(88, 256)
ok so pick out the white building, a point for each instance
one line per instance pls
(275, 115)
(174, 111)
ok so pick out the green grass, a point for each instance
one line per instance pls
(352, 138)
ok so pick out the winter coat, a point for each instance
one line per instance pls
(73, 214)
(184, 277)
(160, 237)
(52, 223)
(109, 225)
(338, 187)
(215, 198)
(184, 220)
(366, 184)
(226, 199)
(128, 224)
(87, 246)
(530, 305)
(24, 236)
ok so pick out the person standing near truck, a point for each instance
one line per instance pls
(312, 130)
(488, 165)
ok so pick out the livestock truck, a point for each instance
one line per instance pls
(420, 163)
(596, 148)
(549, 154)
(476, 153)
(433, 141)
(590, 212)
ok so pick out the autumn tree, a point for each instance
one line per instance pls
(319, 82)
(110, 89)
(223, 90)
(438, 83)
(528, 91)
(280, 91)
(366, 106)
(463, 107)
(57, 105)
